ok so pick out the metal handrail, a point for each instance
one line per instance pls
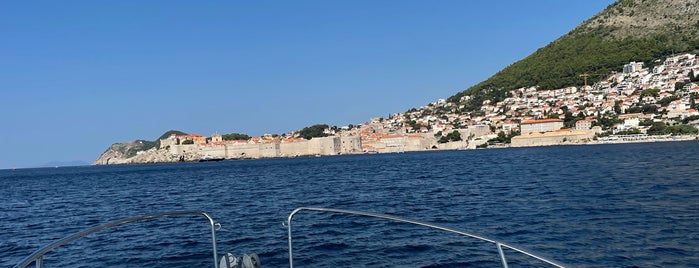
(499, 245)
(38, 255)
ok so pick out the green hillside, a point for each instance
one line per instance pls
(143, 145)
(625, 31)
(169, 133)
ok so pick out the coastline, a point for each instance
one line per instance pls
(650, 139)
(144, 157)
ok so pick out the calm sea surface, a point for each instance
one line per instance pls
(631, 205)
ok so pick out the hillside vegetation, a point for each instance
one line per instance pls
(168, 134)
(144, 145)
(628, 30)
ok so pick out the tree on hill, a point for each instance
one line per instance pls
(646, 109)
(313, 131)
(682, 129)
(650, 92)
(170, 132)
(660, 128)
(141, 145)
(453, 136)
(693, 77)
(667, 100)
(235, 136)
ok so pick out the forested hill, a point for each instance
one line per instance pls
(628, 30)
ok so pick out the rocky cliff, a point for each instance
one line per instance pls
(131, 153)
(141, 151)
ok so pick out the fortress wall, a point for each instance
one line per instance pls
(324, 145)
(475, 130)
(426, 141)
(454, 145)
(269, 149)
(416, 144)
(552, 138)
(183, 148)
(375, 145)
(167, 142)
(245, 150)
(536, 141)
(213, 150)
(394, 145)
(409, 143)
(350, 144)
(473, 144)
(290, 149)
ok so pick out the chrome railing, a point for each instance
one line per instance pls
(38, 256)
(499, 245)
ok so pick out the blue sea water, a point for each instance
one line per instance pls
(626, 205)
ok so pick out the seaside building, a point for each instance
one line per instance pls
(541, 125)
(553, 137)
(216, 138)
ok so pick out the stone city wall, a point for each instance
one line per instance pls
(475, 131)
(213, 150)
(350, 144)
(402, 143)
(454, 145)
(553, 138)
(419, 142)
(268, 150)
(324, 146)
(243, 150)
(393, 144)
(293, 149)
(183, 148)
(316, 146)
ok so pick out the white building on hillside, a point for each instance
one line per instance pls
(543, 125)
(632, 67)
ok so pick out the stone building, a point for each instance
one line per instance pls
(583, 124)
(350, 144)
(542, 125)
(553, 138)
(216, 138)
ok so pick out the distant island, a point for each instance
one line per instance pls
(65, 164)
(628, 74)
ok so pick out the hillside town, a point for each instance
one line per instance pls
(623, 106)
(641, 103)
(630, 101)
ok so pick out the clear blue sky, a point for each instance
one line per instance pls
(77, 76)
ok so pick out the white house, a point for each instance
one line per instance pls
(542, 125)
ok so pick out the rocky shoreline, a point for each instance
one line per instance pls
(115, 155)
